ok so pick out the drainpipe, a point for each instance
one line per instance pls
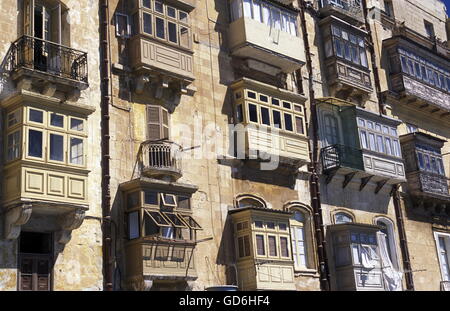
(395, 188)
(105, 101)
(376, 74)
(313, 154)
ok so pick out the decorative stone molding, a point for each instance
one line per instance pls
(15, 217)
(68, 223)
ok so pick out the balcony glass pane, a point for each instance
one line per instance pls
(76, 151)
(159, 25)
(56, 120)
(276, 115)
(133, 225)
(159, 7)
(150, 197)
(265, 116)
(35, 143)
(36, 116)
(56, 147)
(236, 10)
(288, 126)
(184, 37)
(257, 11)
(260, 245)
(364, 139)
(266, 15)
(147, 23)
(253, 113)
(171, 12)
(147, 4)
(248, 8)
(276, 18)
(172, 30)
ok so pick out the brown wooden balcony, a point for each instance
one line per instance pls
(160, 159)
(43, 62)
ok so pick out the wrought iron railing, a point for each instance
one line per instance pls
(352, 6)
(336, 156)
(433, 183)
(45, 56)
(161, 155)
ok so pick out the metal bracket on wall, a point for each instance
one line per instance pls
(348, 179)
(380, 185)
(330, 176)
(364, 182)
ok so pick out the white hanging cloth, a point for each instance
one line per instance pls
(369, 258)
(392, 277)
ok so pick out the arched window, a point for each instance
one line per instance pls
(250, 201)
(387, 227)
(302, 237)
(342, 218)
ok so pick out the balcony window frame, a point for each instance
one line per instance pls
(429, 70)
(177, 20)
(255, 100)
(69, 150)
(15, 147)
(342, 36)
(445, 275)
(238, 11)
(430, 153)
(378, 131)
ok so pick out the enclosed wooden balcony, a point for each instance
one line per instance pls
(366, 145)
(418, 77)
(273, 41)
(160, 159)
(348, 10)
(425, 172)
(47, 65)
(270, 124)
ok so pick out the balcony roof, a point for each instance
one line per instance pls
(424, 137)
(157, 184)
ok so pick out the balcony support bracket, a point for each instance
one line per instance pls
(380, 185)
(68, 223)
(348, 179)
(364, 182)
(16, 217)
(330, 176)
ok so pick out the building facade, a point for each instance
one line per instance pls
(261, 144)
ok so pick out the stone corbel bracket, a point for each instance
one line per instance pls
(16, 217)
(69, 222)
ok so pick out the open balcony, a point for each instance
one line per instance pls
(348, 10)
(160, 159)
(44, 65)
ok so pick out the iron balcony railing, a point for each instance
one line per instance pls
(347, 5)
(337, 156)
(161, 155)
(45, 56)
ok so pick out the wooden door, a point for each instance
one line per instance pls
(35, 272)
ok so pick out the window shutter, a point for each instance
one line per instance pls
(55, 25)
(157, 122)
(28, 17)
(272, 246)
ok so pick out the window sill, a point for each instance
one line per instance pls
(307, 272)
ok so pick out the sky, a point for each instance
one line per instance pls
(447, 2)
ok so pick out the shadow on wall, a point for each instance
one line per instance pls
(350, 197)
(226, 255)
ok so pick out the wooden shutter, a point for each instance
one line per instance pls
(28, 17)
(272, 246)
(35, 272)
(55, 25)
(284, 247)
(157, 123)
(299, 125)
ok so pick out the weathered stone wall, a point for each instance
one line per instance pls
(79, 265)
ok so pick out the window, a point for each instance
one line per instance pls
(349, 46)
(14, 118)
(272, 241)
(266, 13)
(150, 197)
(411, 128)
(421, 68)
(168, 200)
(244, 246)
(298, 238)
(35, 143)
(13, 146)
(56, 120)
(76, 151)
(122, 25)
(260, 245)
(388, 8)
(342, 218)
(166, 23)
(443, 248)
(429, 29)
(245, 201)
(388, 233)
(36, 116)
(430, 159)
(284, 248)
(331, 130)
(380, 138)
(56, 147)
(133, 225)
